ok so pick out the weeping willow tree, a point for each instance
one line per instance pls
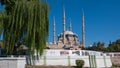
(1, 22)
(28, 19)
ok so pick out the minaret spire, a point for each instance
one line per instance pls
(70, 26)
(83, 33)
(64, 25)
(54, 32)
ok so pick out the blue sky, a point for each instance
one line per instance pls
(102, 18)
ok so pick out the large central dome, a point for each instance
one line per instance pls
(69, 32)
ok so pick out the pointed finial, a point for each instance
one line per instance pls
(54, 20)
(64, 18)
(83, 15)
(64, 12)
(82, 12)
(70, 26)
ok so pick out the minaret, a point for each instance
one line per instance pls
(83, 33)
(70, 26)
(64, 24)
(54, 32)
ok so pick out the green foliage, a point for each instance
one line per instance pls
(80, 63)
(9, 5)
(99, 46)
(27, 19)
(114, 65)
(1, 44)
(114, 46)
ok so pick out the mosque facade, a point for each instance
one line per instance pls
(67, 39)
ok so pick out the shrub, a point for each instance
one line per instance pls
(114, 65)
(80, 63)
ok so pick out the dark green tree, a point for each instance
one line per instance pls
(100, 46)
(114, 46)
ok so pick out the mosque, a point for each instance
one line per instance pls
(67, 40)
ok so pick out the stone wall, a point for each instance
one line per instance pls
(90, 61)
(12, 62)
